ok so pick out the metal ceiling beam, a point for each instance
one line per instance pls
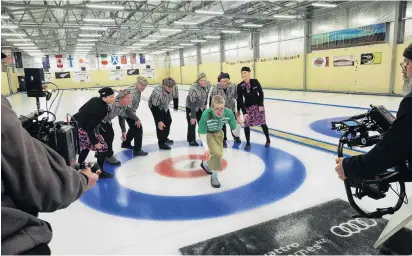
(166, 11)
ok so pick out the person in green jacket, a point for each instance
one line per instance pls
(210, 130)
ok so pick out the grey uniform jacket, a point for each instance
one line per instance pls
(230, 95)
(175, 92)
(34, 178)
(122, 112)
(197, 98)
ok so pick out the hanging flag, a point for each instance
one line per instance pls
(123, 59)
(18, 60)
(115, 59)
(142, 58)
(59, 61)
(133, 58)
(46, 62)
(70, 59)
(103, 58)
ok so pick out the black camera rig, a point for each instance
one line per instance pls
(356, 133)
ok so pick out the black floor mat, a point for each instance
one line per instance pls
(309, 232)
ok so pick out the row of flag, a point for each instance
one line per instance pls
(103, 59)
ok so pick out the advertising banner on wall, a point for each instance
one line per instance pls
(371, 58)
(320, 61)
(132, 72)
(48, 77)
(81, 76)
(62, 75)
(116, 74)
(148, 72)
(342, 61)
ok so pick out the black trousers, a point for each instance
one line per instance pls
(224, 130)
(134, 133)
(175, 103)
(42, 249)
(162, 135)
(191, 129)
(106, 130)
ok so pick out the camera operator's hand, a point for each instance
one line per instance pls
(93, 177)
(339, 168)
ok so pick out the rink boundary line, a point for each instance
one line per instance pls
(313, 103)
(301, 140)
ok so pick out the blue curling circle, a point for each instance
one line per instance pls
(323, 126)
(283, 174)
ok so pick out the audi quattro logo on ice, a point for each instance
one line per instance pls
(352, 227)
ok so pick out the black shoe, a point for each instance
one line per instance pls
(194, 144)
(139, 152)
(128, 146)
(207, 170)
(164, 147)
(267, 144)
(169, 142)
(238, 140)
(104, 174)
(224, 144)
(247, 146)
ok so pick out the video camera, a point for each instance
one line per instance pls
(61, 136)
(356, 133)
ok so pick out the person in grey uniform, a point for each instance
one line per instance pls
(175, 95)
(159, 102)
(34, 179)
(196, 103)
(229, 92)
(135, 131)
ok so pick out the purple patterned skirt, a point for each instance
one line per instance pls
(256, 117)
(84, 142)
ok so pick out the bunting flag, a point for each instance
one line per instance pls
(46, 62)
(142, 58)
(103, 58)
(59, 61)
(123, 59)
(115, 59)
(70, 59)
(133, 58)
(18, 60)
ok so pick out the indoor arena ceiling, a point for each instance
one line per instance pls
(53, 27)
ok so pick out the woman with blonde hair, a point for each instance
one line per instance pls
(210, 130)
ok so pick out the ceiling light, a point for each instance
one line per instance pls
(31, 50)
(230, 31)
(170, 30)
(84, 47)
(280, 16)
(186, 44)
(140, 44)
(198, 41)
(176, 47)
(17, 39)
(168, 49)
(87, 40)
(90, 35)
(98, 20)
(209, 12)
(158, 52)
(324, 5)
(27, 47)
(101, 6)
(157, 36)
(12, 34)
(9, 26)
(148, 40)
(212, 37)
(93, 28)
(250, 25)
(185, 23)
(85, 44)
(24, 44)
(5, 17)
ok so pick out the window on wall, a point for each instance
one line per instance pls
(237, 48)
(210, 53)
(408, 22)
(190, 56)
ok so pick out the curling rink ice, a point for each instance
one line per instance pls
(160, 203)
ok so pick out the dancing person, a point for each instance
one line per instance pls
(89, 118)
(196, 103)
(210, 129)
(135, 131)
(159, 102)
(250, 100)
(229, 92)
